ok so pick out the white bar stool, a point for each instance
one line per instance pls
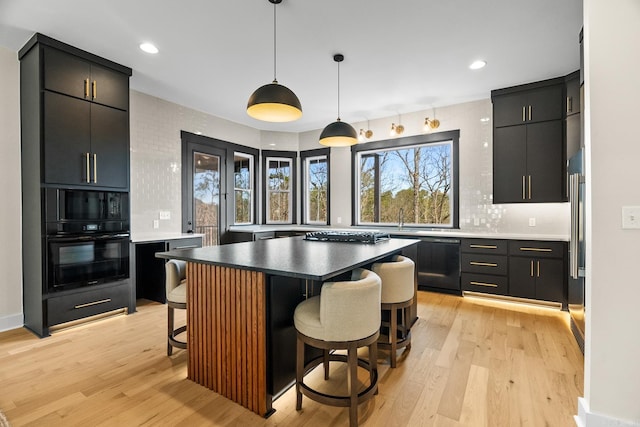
(176, 288)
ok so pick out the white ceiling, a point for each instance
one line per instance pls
(400, 56)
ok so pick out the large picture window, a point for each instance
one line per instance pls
(243, 188)
(315, 166)
(279, 186)
(413, 181)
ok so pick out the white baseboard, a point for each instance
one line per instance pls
(13, 321)
(586, 418)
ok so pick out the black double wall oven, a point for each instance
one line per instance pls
(87, 237)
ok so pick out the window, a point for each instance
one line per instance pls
(316, 186)
(243, 188)
(412, 180)
(279, 187)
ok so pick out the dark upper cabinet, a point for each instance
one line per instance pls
(78, 115)
(528, 143)
(528, 106)
(73, 76)
(528, 163)
(572, 100)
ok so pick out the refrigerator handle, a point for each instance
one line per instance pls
(574, 189)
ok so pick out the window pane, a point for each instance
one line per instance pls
(243, 185)
(317, 184)
(413, 182)
(279, 174)
(279, 206)
(206, 195)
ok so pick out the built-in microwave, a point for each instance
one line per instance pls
(75, 211)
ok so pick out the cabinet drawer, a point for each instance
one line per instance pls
(75, 306)
(485, 264)
(537, 248)
(484, 246)
(187, 243)
(484, 283)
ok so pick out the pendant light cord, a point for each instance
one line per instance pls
(338, 91)
(274, 43)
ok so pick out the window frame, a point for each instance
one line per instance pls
(291, 156)
(398, 143)
(305, 157)
(251, 189)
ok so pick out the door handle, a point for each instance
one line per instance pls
(88, 168)
(524, 117)
(94, 90)
(538, 270)
(86, 88)
(95, 168)
(531, 271)
(529, 112)
(524, 190)
(529, 187)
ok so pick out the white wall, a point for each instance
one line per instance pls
(10, 212)
(477, 212)
(156, 173)
(612, 86)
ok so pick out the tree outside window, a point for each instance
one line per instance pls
(316, 189)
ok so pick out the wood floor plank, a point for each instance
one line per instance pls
(471, 364)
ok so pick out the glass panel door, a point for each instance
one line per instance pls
(206, 197)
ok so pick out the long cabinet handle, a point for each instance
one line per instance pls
(89, 304)
(527, 249)
(574, 188)
(95, 168)
(86, 88)
(490, 285)
(529, 187)
(483, 264)
(531, 271)
(94, 90)
(524, 191)
(538, 269)
(529, 112)
(187, 247)
(88, 168)
(524, 117)
(484, 246)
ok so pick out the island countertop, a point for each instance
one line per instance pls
(293, 256)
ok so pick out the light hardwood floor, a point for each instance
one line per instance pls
(471, 364)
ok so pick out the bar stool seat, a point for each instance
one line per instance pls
(345, 316)
(176, 293)
(398, 292)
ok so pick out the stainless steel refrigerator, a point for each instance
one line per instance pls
(577, 303)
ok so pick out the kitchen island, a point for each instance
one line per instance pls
(240, 303)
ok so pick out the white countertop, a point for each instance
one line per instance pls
(406, 231)
(161, 236)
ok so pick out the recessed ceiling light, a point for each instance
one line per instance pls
(476, 65)
(149, 48)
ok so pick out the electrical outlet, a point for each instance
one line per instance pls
(156, 223)
(630, 217)
(339, 220)
(165, 215)
(532, 222)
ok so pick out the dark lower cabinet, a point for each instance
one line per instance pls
(537, 270)
(438, 264)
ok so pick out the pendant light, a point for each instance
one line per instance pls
(338, 133)
(274, 102)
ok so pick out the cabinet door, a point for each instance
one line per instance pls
(508, 109)
(550, 280)
(66, 73)
(111, 87)
(545, 165)
(522, 281)
(67, 137)
(545, 103)
(509, 164)
(110, 145)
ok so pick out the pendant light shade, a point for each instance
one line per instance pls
(338, 133)
(274, 102)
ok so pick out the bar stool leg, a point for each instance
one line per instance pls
(373, 362)
(299, 372)
(352, 384)
(170, 330)
(325, 363)
(393, 335)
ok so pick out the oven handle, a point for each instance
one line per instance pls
(89, 237)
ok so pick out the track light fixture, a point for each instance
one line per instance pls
(338, 133)
(274, 102)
